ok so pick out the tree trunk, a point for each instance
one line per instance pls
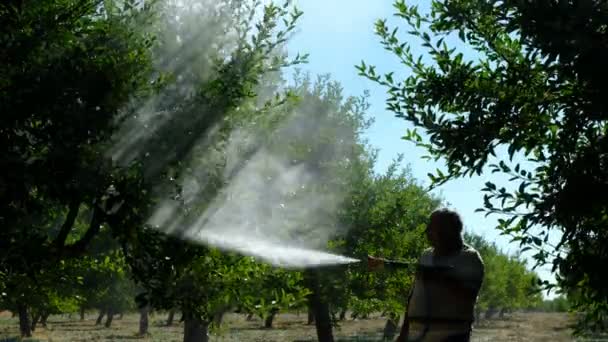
(390, 329)
(24, 321)
(270, 318)
(218, 317)
(82, 313)
(102, 313)
(110, 318)
(120, 315)
(170, 318)
(195, 330)
(490, 313)
(43, 319)
(311, 316)
(322, 320)
(343, 315)
(320, 309)
(143, 320)
(35, 319)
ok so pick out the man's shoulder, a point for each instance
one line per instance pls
(427, 255)
(470, 252)
(468, 249)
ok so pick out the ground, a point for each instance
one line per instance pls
(288, 327)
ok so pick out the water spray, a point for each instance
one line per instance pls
(283, 255)
(276, 254)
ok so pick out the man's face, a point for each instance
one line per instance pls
(433, 231)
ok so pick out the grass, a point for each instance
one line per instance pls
(288, 327)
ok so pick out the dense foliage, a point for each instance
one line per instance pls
(67, 69)
(535, 87)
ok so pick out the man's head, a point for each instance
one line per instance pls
(444, 229)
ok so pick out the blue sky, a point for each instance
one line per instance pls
(338, 34)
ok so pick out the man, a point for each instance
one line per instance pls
(447, 282)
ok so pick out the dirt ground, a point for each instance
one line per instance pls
(288, 327)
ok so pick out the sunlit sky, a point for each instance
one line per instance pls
(338, 34)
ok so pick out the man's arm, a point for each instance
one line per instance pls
(374, 263)
(381, 263)
(397, 265)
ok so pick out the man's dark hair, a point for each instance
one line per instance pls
(449, 218)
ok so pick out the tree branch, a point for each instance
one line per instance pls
(68, 224)
(78, 247)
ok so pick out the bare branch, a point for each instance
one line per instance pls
(68, 224)
(79, 247)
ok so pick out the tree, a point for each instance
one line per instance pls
(387, 215)
(107, 286)
(36, 296)
(219, 86)
(323, 135)
(369, 213)
(537, 90)
(67, 69)
(273, 290)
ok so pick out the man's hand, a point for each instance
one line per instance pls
(374, 264)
